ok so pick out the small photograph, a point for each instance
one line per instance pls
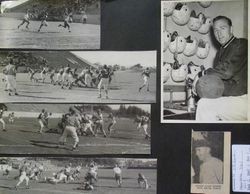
(204, 54)
(46, 24)
(78, 76)
(78, 175)
(75, 129)
(210, 162)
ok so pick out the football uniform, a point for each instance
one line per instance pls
(26, 19)
(43, 21)
(98, 121)
(118, 175)
(144, 125)
(42, 120)
(104, 81)
(112, 120)
(23, 175)
(71, 122)
(10, 72)
(145, 75)
(142, 181)
(1, 119)
(11, 118)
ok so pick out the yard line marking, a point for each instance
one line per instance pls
(54, 191)
(80, 145)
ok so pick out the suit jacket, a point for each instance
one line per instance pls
(230, 64)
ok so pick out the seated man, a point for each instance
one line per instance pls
(230, 66)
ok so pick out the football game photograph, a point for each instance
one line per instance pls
(75, 129)
(26, 175)
(46, 24)
(78, 76)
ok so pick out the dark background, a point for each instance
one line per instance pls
(135, 25)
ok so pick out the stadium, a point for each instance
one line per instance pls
(23, 136)
(84, 22)
(104, 184)
(39, 76)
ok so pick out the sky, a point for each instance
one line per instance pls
(10, 4)
(123, 58)
(145, 107)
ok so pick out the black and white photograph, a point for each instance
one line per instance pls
(78, 76)
(75, 129)
(210, 162)
(26, 175)
(46, 24)
(204, 54)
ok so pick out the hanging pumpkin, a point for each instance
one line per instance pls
(168, 8)
(206, 25)
(179, 71)
(203, 49)
(177, 43)
(181, 14)
(191, 46)
(195, 21)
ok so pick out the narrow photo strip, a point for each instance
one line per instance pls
(45, 24)
(210, 162)
(202, 70)
(78, 76)
(75, 129)
(241, 168)
(78, 175)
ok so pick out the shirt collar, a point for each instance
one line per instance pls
(228, 42)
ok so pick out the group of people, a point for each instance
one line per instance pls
(141, 179)
(37, 171)
(77, 122)
(27, 172)
(67, 19)
(67, 77)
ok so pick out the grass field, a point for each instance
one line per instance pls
(123, 89)
(22, 137)
(82, 36)
(105, 185)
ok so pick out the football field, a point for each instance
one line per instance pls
(105, 184)
(22, 137)
(123, 89)
(82, 36)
